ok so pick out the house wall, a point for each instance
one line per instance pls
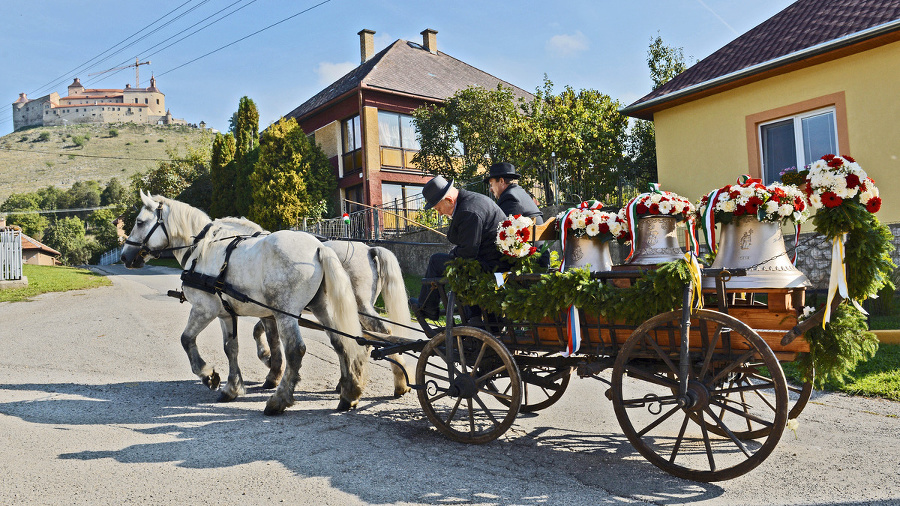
(702, 145)
(35, 257)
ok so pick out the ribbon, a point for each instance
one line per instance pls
(631, 223)
(573, 332)
(346, 218)
(696, 290)
(693, 243)
(796, 242)
(837, 282)
(745, 180)
(708, 215)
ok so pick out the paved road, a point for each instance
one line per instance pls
(98, 406)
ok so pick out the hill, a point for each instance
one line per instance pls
(43, 156)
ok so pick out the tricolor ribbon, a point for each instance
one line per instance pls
(837, 282)
(346, 218)
(708, 215)
(573, 323)
(631, 215)
(796, 242)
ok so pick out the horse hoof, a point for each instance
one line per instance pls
(269, 384)
(273, 410)
(224, 397)
(345, 405)
(212, 381)
(400, 391)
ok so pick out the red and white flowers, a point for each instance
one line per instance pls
(835, 179)
(604, 225)
(514, 236)
(663, 203)
(775, 202)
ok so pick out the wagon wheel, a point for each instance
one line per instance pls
(467, 409)
(800, 393)
(543, 385)
(701, 436)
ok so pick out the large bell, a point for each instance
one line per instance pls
(656, 241)
(747, 243)
(585, 250)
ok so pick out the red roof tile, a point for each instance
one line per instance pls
(801, 26)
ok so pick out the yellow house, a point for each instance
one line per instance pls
(819, 77)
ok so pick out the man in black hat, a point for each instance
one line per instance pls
(473, 232)
(513, 199)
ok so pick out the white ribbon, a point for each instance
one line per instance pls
(837, 283)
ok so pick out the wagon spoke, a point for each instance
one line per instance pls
(731, 435)
(462, 353)
(496, 395)
(650, 377)
(453, 410)
(484, 348)
(744, 414)
(712, 348)
(662, 354)
(484, 377)
(706, 442)
(486, 410)
(471, 417)
(737, 362)
(680, 437)
(658, 421)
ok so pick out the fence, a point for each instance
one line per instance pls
(10, 254)
(391, 220)
(112, 256)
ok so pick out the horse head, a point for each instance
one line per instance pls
(149, 233)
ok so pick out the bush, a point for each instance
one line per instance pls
(113, 132)
(43, 137)
(79, 140)
(160, 140)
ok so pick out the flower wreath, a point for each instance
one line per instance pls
(514, 236)
(835, 179)
(588, 219)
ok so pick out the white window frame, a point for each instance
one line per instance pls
(798, 136)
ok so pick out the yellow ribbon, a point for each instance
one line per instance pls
(697, 291)
(837, 282)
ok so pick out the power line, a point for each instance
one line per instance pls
(96, 156)
(246, 37)
(53, 211)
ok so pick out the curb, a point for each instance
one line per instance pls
(888, 336)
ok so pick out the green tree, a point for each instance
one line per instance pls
(52, 197)
(579, 134)
(474, 117)
(222, 171)
(246, 139)
(114, 194)
(67, 236)
(83, 194)
(291, 177)
(665, 62)
(102, 228)
(32, 224)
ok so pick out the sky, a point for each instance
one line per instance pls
(207, 54)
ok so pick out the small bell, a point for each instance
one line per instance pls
(656, 241)
(585, 250)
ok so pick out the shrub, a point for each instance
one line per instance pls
(113, 132)
(43, 137)
(160, 140)
(79, 140)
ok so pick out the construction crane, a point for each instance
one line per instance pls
(137, 75)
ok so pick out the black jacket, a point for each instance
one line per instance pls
(473, 229)
(515, 200)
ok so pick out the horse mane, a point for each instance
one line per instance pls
(184, 220)
(223, 228)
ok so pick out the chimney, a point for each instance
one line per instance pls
(429, 40)
(366, 44)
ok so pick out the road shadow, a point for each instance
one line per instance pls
(365, 452)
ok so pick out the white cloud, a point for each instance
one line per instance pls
(565, 45)
(330, 72)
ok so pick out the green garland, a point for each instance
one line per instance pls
(657, 291)
(838, 348)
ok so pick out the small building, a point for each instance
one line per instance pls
(819, 77)
(35, 252)
(363, 121)
(88, 105)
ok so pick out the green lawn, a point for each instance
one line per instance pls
(43, 279)
(877, 377)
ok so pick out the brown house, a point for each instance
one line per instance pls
(35, 252)
(363, 121)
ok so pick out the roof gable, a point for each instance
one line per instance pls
(801, 26)
(406, 67)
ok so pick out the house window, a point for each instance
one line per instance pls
(797, 141)
(397, 130)
(352, 138)
(403, 203)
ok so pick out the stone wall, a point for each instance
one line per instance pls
(814, 255)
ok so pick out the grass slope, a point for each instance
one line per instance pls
(45, 278)
(28, 163)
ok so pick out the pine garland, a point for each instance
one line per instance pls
(838, 348)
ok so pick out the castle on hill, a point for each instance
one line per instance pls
(84, 105)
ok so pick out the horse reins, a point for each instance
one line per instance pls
(143, 244)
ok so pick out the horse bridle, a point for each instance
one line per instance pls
(143, 244)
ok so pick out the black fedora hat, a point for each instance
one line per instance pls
(505, 170)
(435, 190)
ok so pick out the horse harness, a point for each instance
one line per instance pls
(143, 244)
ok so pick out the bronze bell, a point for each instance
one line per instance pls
(747, 243)
(656, 241)
(585, 250)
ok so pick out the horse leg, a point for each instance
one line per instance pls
(294, 349)
(354, 362)
(235, 384)
(197, 321)
(269, 350)
(401, 373)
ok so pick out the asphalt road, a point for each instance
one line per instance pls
(98, 406)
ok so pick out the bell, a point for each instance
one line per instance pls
(656, 241)
(585, 250)
(747, 243)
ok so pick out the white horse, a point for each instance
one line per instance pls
(286, 271)
(373, 270)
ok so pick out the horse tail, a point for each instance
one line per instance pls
(393, 290)
(339, 293)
